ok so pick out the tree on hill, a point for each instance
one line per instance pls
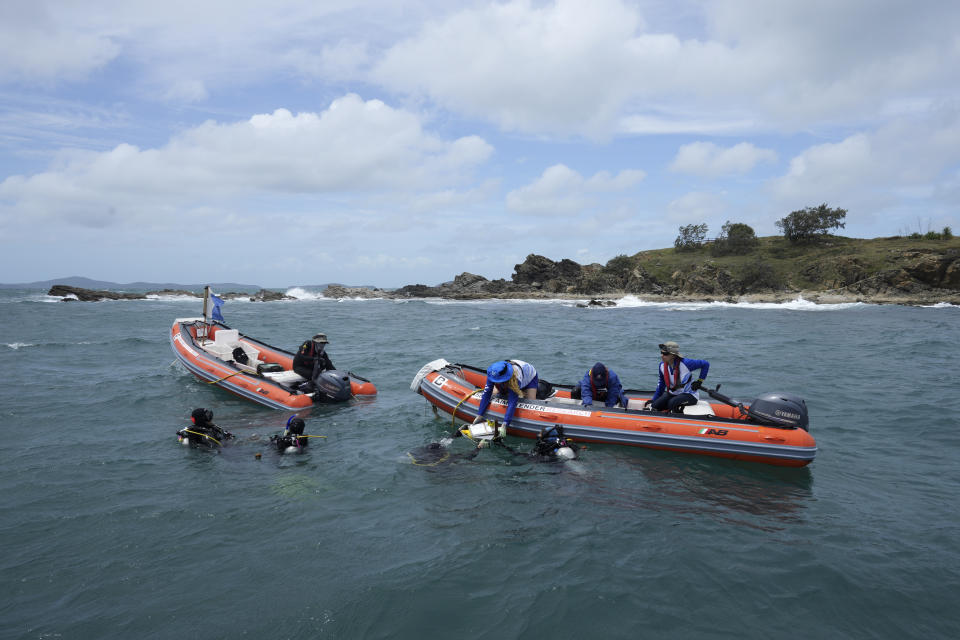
(691, 237)
(806, 224)
(735, 238)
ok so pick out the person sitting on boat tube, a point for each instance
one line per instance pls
(203, 432)
(676, 386)
(600, 384)
(312, 357)
(513, 378)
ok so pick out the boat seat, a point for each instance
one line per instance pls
(702, 408)
(226, 336)
(284, 377)
(224, 343)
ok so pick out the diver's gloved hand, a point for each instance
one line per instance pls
(587, 403)
(478, 420)
(696, 384)
(646, 404)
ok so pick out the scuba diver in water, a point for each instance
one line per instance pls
(292, 439)
(551, 446)
(204, 432)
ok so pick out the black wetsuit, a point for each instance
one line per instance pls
(206, 435)
(311, 358)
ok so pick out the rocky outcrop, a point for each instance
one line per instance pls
(265, 295)
(69, 293)
(90, 295)
(339, 291)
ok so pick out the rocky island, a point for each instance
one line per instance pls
(911, 271)
(835, 269)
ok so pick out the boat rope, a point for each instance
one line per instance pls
(223, 378)
(198, 433)
(453, 423)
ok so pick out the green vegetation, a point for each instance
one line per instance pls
(776, 262)
(735, 238)
(691, 237)
(808, 224)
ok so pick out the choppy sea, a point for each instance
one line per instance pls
(112, 529)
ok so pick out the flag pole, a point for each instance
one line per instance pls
(206, 321)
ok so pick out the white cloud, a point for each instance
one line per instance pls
(696, 207)
(562, 191)
(556, 67)
(569, 67)
(36, 46)
(708, 159)
(873, 166)
(355, 146)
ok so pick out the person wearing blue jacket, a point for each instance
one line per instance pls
(600, 384)
(513, 378)
(676, 386)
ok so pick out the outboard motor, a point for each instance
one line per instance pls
(332, 386)
(782, 410)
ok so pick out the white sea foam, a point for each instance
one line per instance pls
(941, 305)
(303, 294)
(170, 298)
(798, 304)
(18, 345)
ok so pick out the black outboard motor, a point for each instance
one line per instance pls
(782, 410)
(332, 386)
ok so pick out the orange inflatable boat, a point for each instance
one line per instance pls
(254, 370)
(772, 429)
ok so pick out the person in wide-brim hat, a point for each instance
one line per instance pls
(513, 378)
(676, 386)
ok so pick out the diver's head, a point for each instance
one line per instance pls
(295, 426)
(202, 417)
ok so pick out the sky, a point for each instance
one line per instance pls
(284, 143)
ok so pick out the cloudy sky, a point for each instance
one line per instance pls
(388, 143)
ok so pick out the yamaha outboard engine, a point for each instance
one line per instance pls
(332, 386)
(782, 410)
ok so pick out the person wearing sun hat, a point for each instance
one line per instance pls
(312, 354)
(513, 378)
(676, 386)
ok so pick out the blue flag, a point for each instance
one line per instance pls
(217, 302)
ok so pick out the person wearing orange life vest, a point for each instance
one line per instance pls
(601, 384)
(676, 386)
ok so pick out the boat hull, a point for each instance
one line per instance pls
(186, 337)
(456, 389)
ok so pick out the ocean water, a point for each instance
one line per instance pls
(112, 529)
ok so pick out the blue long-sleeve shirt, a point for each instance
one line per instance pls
(527, 374)
(614, 389)
(687, 367)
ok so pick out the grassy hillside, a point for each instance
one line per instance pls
(832, 261)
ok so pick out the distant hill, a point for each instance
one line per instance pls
(88, 283)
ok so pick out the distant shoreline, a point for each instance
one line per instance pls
(608, 299)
